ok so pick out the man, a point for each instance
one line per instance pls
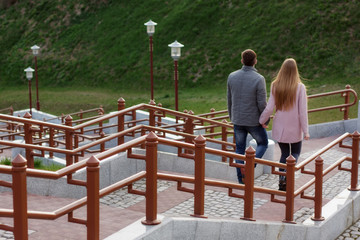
(246, 95)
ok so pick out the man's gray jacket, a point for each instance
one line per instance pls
(246, 95)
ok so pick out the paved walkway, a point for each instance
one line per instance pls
(120, 209)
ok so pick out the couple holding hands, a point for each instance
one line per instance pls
(250, 113)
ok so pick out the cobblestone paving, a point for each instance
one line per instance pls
(217, 204)
(122, 199)
(8, 235)
(351, 233)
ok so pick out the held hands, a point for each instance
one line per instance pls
(264, 125)
(307, 136)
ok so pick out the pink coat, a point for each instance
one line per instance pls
(288, 126)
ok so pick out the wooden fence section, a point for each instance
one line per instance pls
(75, 140)
(20, 214)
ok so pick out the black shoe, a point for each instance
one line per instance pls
(242, 181)
(282, 185)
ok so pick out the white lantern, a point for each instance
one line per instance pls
(29, 73)
(35, 49)
(176, 49)
(150, 27)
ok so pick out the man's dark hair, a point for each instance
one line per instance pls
(249, 57)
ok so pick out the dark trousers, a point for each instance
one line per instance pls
(288, 149)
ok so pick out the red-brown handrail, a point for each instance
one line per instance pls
(80, 114)
(9, 109)
(343, 107)
(198, 148)
(198, 180)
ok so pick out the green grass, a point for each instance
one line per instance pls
(37, 165)
(103, 44)
(5, 161)
(67, 100)
(93, 52)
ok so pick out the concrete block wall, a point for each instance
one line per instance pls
(120, 167)
(39, 115)
(339, 213)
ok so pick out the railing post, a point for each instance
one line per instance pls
(28, 140)
(81, 115)
(121, 120)
(51, 141)
(68, 140)
(151, 180)
(290, 187)
(100, 123)
(199, 192)
(347, 99)
(19, 198)
(224, 139)
(249, 184)
(152, 114)
(318, 189)
(159, 115)
(93, 199)
(102, 145)
(355, 161)
(212, 129)
(76, 145)
(189, 129)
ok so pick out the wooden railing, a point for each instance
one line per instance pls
(213, 124)
(20, 173)
(81, 116)
(10, 110)
(37, 133)
(345, 107)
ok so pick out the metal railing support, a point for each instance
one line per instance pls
(189, 129)
(80, 115)
(151, 180)
(319, 165)
(121, 120)
(51, 141)
(68, 141)
(19, 198)
(355, 161)
(28, 140)
(212, 129)
(152, 114)
(346, 95)
(102, 145)
(199, 198)
(224, 139)
(76, 145)
(249, 184)
(93, 199)
(290, 187)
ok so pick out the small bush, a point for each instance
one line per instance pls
(38, 164)
(5, 161)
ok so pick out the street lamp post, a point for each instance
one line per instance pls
(29, 75)
(150, 29)
(175, 54)
(35, 50)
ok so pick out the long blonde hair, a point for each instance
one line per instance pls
(285, 85)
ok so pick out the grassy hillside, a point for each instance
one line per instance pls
(103, 44)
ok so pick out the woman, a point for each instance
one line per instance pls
(290, 123)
